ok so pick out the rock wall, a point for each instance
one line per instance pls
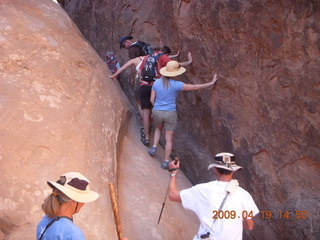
(59, 113)
(264, 108)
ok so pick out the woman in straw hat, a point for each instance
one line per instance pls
(68, 196)
(136, 62)
(163, 97)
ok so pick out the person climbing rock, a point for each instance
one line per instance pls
(149, 72)
(223, 207)
(163, 98)
(136, 62)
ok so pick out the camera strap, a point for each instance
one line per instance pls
(231, 187)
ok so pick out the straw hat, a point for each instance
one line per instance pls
(172, 69)
(75, 186)
(226, 161)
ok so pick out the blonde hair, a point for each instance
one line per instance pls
(165, 81)
(53, 202)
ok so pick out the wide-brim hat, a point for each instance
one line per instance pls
(122, 39)
(226, 161)
(172, 69)
(75, 186)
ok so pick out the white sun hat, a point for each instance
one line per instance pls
(75, 186)
(226, 161)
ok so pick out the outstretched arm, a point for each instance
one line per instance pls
(125, 66)
(175, 55)
(183, 64)
(191, 87)
(174, 193)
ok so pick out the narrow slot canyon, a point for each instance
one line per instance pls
(62, 111)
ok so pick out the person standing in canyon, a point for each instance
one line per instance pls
(149, 73)
(136, 62)
(163, 98)
(222, 207)
(68, 196)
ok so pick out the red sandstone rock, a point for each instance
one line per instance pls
(59, 112)
(264, 108)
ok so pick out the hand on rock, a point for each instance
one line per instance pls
(214, 79)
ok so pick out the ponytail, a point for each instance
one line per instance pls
(165, 81)
(52, 203)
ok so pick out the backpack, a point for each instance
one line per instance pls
(148, 72)
(145, 48)
(112, 62)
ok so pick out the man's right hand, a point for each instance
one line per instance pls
(175, 164)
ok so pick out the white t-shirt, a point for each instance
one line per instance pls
(205, 198)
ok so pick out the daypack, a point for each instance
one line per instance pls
(145, 48)
(148, 72)
(112, 62)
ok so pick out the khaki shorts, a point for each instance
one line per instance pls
(166, 118)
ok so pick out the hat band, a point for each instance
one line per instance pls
(220, 159)
(77, 190)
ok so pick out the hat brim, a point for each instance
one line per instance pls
(165, 73)
(231, 168)
(81, 197)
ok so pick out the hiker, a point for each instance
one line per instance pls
(136, 63)
(222, 207)
(68, 196)
(163, 98)
(136, 49)
(149, 72)
(112, 62)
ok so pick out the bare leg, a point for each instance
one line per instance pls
(157, 134)
(139, 108)
(168, 147)
(146, 116)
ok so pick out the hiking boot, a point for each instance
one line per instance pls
(165, 165)
(152, 151)
(145, 141)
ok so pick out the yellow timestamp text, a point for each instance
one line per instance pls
(296, 214)
(265, 214)
(231, 214)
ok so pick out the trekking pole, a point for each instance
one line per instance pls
(115, 210)
(176, 159)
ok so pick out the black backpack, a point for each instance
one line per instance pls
(145, 48)
(148, 72)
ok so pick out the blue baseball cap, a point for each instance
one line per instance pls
(122, 39)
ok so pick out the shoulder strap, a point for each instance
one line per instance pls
(50, 223)
(159, 55)
(230, 188)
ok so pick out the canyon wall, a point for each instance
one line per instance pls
(265, 106)
(59, 113)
